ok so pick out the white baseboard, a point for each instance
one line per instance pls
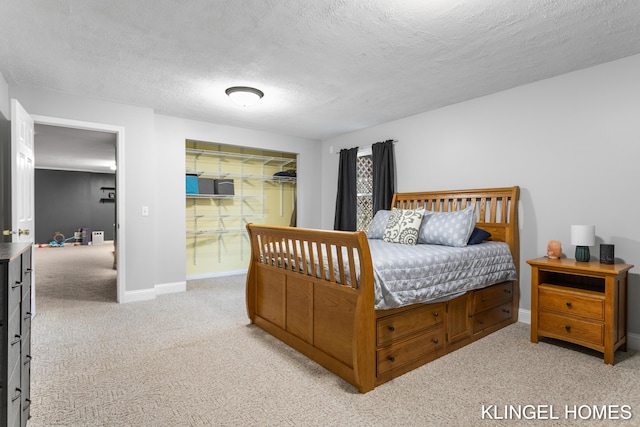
(633, 340)
(150, 294)
(524, 316)
(220, 274)
(141, 295)
(170, 288)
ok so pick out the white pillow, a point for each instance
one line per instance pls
(403, 225)
(447, 228)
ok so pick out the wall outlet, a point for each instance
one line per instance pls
(145, 211)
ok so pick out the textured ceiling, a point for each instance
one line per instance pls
(326, 67)
(65, 148)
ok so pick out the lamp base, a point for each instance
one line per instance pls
(582, 254)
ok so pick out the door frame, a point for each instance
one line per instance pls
(120, 185)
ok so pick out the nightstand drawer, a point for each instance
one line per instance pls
(566, 301)
(570, 328)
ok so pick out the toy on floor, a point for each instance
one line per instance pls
(59, 239)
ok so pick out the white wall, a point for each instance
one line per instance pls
(572, 143)
(140, 169)
(171, 134)
(4, 98)
(154, 170)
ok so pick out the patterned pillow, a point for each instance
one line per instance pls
(378, 224)
(403, 226)
(447, 228)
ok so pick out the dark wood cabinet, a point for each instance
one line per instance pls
(15, 322)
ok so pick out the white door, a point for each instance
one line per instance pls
(22, 182)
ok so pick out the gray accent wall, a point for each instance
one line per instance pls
(66, 201)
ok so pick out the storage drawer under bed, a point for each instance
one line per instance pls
(397, 326)
(410, 350)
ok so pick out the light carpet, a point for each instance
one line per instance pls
(192, 359)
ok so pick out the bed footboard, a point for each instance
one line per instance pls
(325, 313)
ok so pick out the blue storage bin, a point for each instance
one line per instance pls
(192, 184)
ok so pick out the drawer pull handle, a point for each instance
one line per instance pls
(508, 291)
(27, 359)
(27, 403)
(506, 311)
(481, 322)
(16, 339)
(17, 285)
(392, 359)
(470, 316)
(16, 396)
(391, 328)
(435, 340)
(435, 314)
(568, 328)
(483, 299)
(569, 304)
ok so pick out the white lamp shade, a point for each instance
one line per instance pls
(244, 96)
(583, 235)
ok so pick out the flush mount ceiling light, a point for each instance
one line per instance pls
(244, 96)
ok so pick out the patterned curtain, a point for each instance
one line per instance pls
(346, 200)
(384, 172)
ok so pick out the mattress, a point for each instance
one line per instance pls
(409, 274)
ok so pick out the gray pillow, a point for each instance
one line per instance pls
(378, 224)
(447, 228)
(403, 226)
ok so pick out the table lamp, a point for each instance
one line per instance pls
(583, 236)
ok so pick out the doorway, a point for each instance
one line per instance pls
(78, 159)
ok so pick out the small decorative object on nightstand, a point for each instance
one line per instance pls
(583, 236)
(554, 249)
(580, 302)
(606, 254)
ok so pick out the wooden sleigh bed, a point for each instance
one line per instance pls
(329, 316)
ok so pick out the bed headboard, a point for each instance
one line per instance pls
(497, 210)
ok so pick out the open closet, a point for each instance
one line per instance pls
(228, 187)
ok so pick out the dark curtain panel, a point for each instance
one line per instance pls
(346, 200)
(384, 172)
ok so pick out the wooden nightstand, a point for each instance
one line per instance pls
(580, 302)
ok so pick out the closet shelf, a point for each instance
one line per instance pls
(216, 231)
(224, 175)
(283, 161)
(228, 216)
(219, 196)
